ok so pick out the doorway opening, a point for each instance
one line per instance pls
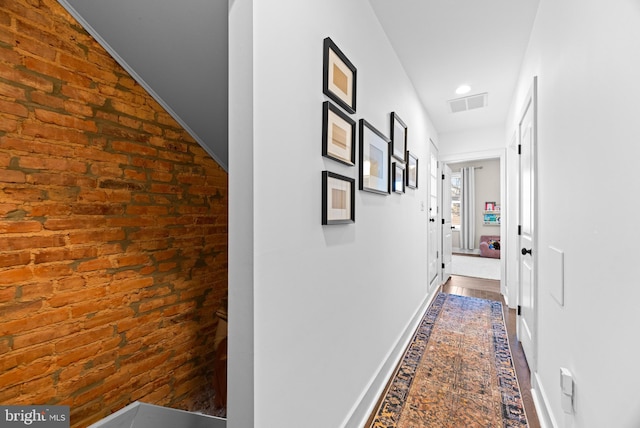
(477, 208)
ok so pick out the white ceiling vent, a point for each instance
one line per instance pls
(469, 103)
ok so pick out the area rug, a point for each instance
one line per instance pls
(456, 372)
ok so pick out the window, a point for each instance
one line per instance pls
(456, 187)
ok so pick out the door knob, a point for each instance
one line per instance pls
(525, 251)
(432, 219)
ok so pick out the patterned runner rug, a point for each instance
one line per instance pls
(457, 371)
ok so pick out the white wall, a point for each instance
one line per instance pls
(240, 362)
(478, 140)
(329, 303)
(585, 54)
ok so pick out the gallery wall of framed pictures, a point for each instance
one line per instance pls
(376, 172)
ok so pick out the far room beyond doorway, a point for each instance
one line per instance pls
(476, 207)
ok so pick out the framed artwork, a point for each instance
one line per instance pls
(338, 199)
(375, 158)
(338, 135)
(398, 137)
(398, 177)
(412, 170)
(339, 77)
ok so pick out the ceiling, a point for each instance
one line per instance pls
(443, 44)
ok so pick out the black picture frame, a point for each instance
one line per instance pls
(398, 137)
(338, 135)
(411, 170)
(338, 199)
(375, 160)
(398, 177)
(339, 76)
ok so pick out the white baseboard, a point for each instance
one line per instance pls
(541, 402)
(365, 404)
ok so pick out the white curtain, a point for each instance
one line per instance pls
(467, 209)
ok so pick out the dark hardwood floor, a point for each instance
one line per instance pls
(490, 290)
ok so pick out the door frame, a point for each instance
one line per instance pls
(435, 278)
(530, 102)
(490, 154)
(445, 226)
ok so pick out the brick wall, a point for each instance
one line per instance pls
(113, 230)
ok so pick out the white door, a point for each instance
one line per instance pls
(433, 244)
(447, 234)
(528, 252)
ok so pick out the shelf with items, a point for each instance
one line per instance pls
(491, 218)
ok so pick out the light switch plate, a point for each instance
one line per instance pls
(556, 274)
(567, 403)
(566, 381)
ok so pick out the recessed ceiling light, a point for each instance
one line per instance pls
(463, 89)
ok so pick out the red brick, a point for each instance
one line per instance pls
(7, 294)
(27, 372)
(113, 382)
(146, 210)
(46, 100)
(108, 317)
(44, 335)
(84, 67)
(13, 108)
(132, 284)
(79, 109)
(101, 236)
(9, 176)
(36, 32)
(52, 270)
(36, 291)
(56, 164)
(83, 95)
(5, 159)
(70, 298)
(30, 146)
(10, 91)
(157, 303)
(129, 122)
(15, 275)
(20, 226)
(34, 321)
(98, 210)
(24, 78)
(51, 209)
(126, 147)
(131, 260)
(8, 125)
(55, 133)
(106, 170)
(133, 174)
(84, 338)
(55, 118)
(14, 259)
(152, 164)
(74, 223)
(175, 157)
(20, 243)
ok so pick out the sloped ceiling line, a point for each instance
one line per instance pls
(198, 103)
